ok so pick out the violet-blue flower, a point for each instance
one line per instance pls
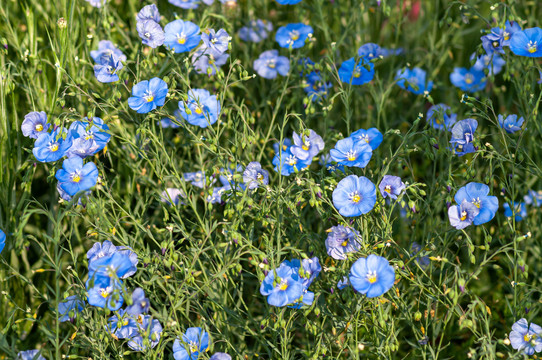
(527, 42)
(181, 36)
(349, 152)
(270, 64)
(354, 196)
(372, 276)
(307, 145)
(414, 80)
(147, 95)
(525, 337)
(391, 186)
(440, 117)
(356, 72)
(75, 177)
(511, 123)
(256, 30)
(254, 175)
(477, 194)
(342, 240)
(462, 215)
(151, 33)
(194, 341)
(52, 146)
(35, 124)
(372, 136)
(293, 35)
(201, 108)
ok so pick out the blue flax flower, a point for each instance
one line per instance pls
(356, 72)
(369, 51)
(315, 86)
(254, 175)
(147, 95)
(117, 265)
(149, 334)
(30, 355)
(201, 109)
(196, 178)
(342, 240)
(440, 117)
(519, 211)
(220, 356)
(185, 4)
(288, 2)
(293, 35)
(463, 136)
(414, 80)
(287, 163)
(477, 194)
(151, 33)
(149, 12)
(103, 291)
(462, 215)
(104, 252)
(140, 304)
(172, 196)
(283, 285)
(526, 337)
(311, 270)
(510, 28)
(2, 240)
(194, 341)
(256, 31)
(331, 166)
(51, 146)
(349, 152)
(270, 64)
(492, 42)
(35, 124)
(69, 307)
(106, 69)
(493, 63)
(511, 123)
(106, 47)
(306, 146)
(372, 136)
(89, 137)
(216, 41)
(122, 325)
(391, 186)
(470, 80)
(182, 36)
(75, 177)
(206, 61)
(533, 198)
(372, 276)
(354, 196)
(527, 42)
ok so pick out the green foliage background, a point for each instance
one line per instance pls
(202, 264)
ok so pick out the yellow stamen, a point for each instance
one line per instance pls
(356, 198)
(198, 110)
(54, 147)
(76, 178)
(181, 40)
(371, 278)
(344, 243)
(39, 127)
